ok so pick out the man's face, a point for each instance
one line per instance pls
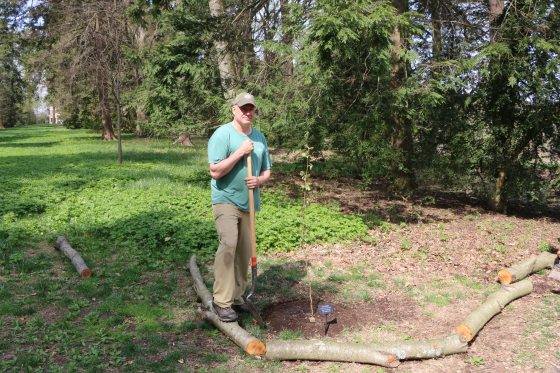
(244, 114)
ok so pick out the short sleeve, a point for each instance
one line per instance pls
(267, 161)
(217, 147)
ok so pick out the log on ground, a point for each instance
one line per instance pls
(472, 324)
(329, 351)
(428, 349)
(236, 333)
(64, 246)
(526, 267)
(380, 354)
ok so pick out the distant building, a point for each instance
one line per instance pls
(54, 116)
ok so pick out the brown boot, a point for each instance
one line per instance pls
(225, 314)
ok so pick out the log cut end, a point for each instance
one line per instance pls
(86, 273)
(256, 348)
(464, 331)
(393, 361)
(505, 277)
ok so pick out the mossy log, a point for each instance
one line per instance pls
(64, 246)
(329, 351)
(526, 267)
(472, 324)
(236, 333)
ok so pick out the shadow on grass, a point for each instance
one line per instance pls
(44, 144)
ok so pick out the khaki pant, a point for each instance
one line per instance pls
(233, 255)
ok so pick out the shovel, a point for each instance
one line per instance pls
(247, 298)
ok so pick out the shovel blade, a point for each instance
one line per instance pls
(253, 311)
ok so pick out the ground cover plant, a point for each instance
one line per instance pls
(395, 269)
(135, 224)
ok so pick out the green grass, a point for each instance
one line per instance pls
(135, 224)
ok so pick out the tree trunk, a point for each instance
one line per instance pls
(497, 203)
(526, 267)
(495, 10)
(105, 107)
(245, 57)
(140, 36)
(472, 324)
(63, 245)
(401, 138)
(225, 60)
(287, 39)
(437, 41)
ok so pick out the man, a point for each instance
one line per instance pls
(227, 151)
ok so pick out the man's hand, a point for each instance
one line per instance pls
(252, 182)
(218, 170)
(246, 147)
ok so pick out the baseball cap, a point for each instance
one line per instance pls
(244, 99)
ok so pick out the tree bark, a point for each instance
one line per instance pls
(497, 203)
(287, 39)
(105, 107)
(63, 245)
(472, 324)
(379, 354)
(495, 10)
(401, 138)
(329, 351)
(240, 336)
(225, 59)
(526, 267)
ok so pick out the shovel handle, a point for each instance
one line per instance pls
(252, 215)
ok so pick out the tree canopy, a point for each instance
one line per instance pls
(416, 93)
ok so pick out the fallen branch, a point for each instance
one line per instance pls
(430, 349)
(329, 351)
(63, 245)
(523, 269)
(387, 355)
(240, 336)
(472, 324)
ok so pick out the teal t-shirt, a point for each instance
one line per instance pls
(231, 188)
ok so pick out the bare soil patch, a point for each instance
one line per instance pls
(437, 259)
(294, 315)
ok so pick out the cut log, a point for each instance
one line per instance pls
(329, 351)
(386, 355)
(237, 334)
(472, 324)
(430, 349)
(184, 139)
(64, 246)
(526, 267)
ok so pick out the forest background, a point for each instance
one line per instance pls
(459, 95)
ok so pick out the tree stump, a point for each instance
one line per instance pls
(184, 139)
(63, 245)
